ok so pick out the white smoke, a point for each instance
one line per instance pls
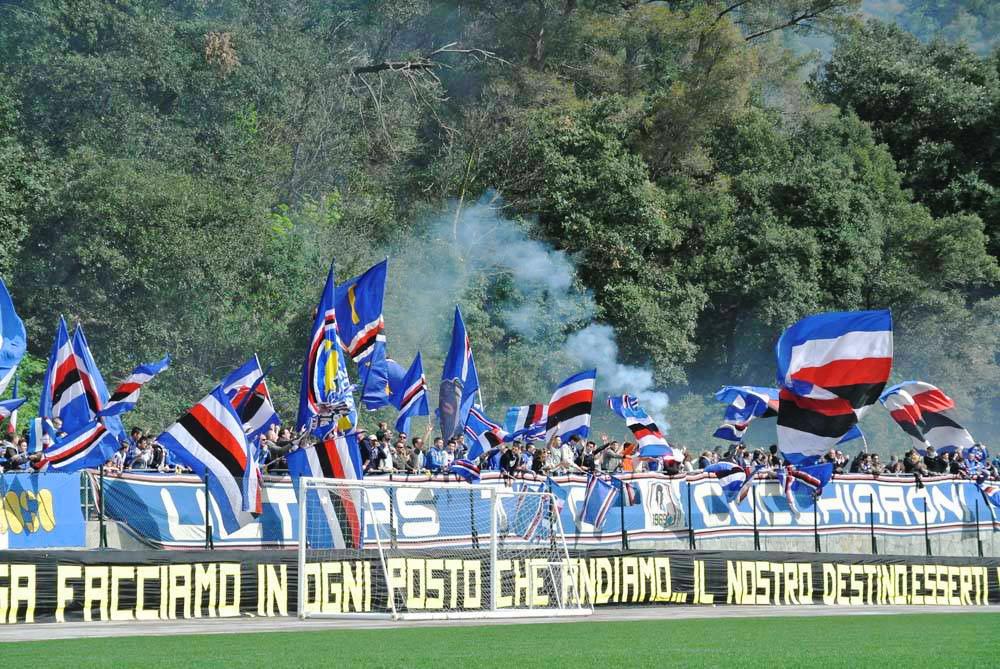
(595, 346)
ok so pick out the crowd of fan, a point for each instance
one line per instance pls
(398, 453)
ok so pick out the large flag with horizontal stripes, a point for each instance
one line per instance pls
(362, 331)
(744, 404)
(733, 478)
(570, 407)
(459, 381)
(90, 446)
(831, 368)
(526, 422)
(326, 389)
(338, 512)
(126, 395)
(408, 392)
(247, 391)
(651, 442)
(13, 339)
(927, 415)
(209, 439)
(64, 395)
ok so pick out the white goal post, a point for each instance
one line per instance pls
(432, 550)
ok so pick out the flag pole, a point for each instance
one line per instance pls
(690, 526)
(621, 514)
(100, 509)
(817, 547)
(756, 534)
(871, 520)
(979, 539)
(927, 536)
(208, 521)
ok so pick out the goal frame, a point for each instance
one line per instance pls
(495, 493)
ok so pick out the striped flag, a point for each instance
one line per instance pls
(64, 395)
(831, 368)
(651, 442)
(126, 395)
(466, 469)
(600, 498)
(570, 406)
(209, 439)
(483, 433)
(247, 391)
(13, 339)
(526, 422)
(744, 403)
(12, 422)
(408, 392)
(362, 331)
(927, 415)
(988, 490)
(804, 482)
(340, 509)
(733, 478)
(97, 391)
(90, 446)
(8, 409)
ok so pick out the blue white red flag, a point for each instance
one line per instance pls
(560, 493)
(408, 392)
(459, 381)
(246, 388)
(629, 491)
(339, 510)
(733, 478)
(13, 339)
(744, 403)
(41, 434)
(90, 446)
(990, 491)
(126, 395)
(97, 391)
(804, 483)
(526, 422)
(12, 417)
(209, 439)
(600, 498)
(731, 431)
(326, 390)
(64, 395)
(831, 368)
(362, 331)
(926, 414)
(651, 442)
(482, 433)
(9, 408)
(466, 469)
(570, 407)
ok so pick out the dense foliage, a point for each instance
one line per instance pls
(176, 174)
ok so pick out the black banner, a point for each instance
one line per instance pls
(38, 586)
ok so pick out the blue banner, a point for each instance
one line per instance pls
(41, 511)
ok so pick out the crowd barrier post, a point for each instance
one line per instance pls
(927, 535)
(871, 521)
(392, 515)
(208, 517)
(690, 525)
(756, 534)
(816, 525)
(979, 539)
(472, 521)
(102, 528)
(553, 510)
(621, 514)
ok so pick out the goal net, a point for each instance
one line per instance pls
(432, 550)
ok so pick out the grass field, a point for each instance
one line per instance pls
(908, 641)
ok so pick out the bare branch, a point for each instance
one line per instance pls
(427, 61)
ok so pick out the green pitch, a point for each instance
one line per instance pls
(910, 641)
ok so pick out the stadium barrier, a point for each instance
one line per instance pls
(60, 586)
(856, 514)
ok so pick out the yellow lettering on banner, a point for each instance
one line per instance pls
(502, 601)
(229, 571)
(790, 574)
(368, 586)
(472, 597)
(204, 580)
(354, 587)
(435, 584)
(31, 523)
(143, 574)
(95, 589)
(311, 584)
(180, 588)
(964, 585)
(829, 584)
(663, 586)
(453, 567)
(762, 586)
(734, 582)
(4, 593)
(277, 589)
(701, 596)
(416, 598)
(396, 578)
(805, 584)
(916, 571)
(856, 597)
(521, 584)
(120, 573)
(261, 589)
(22, 573)
(604, 586)
(331, 598)
(539, 567)
(164, 590)
(586, 586)
(647, 576)
(12, 510)
(64, 591)
(630, 580)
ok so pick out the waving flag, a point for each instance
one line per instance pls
(466, 469)
(326, 390)
(13, 339)
(600, 498)
(340, 509)
(247, 391)
(362, 331)
(126, 395)
(459, 381)
(64, 395)
(652, 443)
(831, 368)
(97, 391)
(41, 434)
(483, 433)
(746, 402)
(988, 490)
(9, 408)
(733, 478)
(804, 483)
(570, 406)
(408, 392)
(526, 422)
(90, 446)
(209, 440)
(927, 415)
